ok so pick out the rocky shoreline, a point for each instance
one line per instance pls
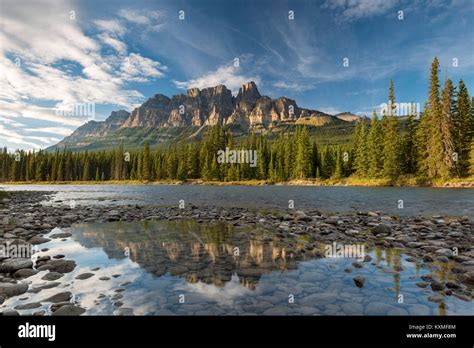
(434, 241)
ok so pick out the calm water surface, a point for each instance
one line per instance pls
(153, 266)
(416, 201)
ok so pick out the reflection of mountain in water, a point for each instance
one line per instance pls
(206, 253)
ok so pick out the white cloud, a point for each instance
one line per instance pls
(111, 26)
(143, 17)
(11, 122)
(51, 130)
(116, 44)
(227, 75)
(294, 87)
(138, 68)
(13, 137)
(59, 64)
(356, 9)
(12, 110)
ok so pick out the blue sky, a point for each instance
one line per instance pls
(116, 54)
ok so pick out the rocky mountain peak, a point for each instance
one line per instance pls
(117, 117)
(156, 101)
(248, 93)
(193, 92)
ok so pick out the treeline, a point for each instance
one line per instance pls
(291, 156)
(439, 145)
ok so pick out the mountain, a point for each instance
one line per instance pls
(162, 118)
(95, 129)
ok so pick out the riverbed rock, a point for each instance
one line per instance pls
(300, 215)
(59, 297)
(381, 229)
(60, 266)
(468, 277)
(24, 273)
(428, 258)
(16, 264)
(123, 312)
(55, 306)
(9, 289)
(437, 285)
(37, 289)
(52, 276)
(357, 265)
(38, 240)
(319, 299)
(10, 313)
(84, 276)
(444, 252)
(359, 281)
(30, 305)
(69, 310)
(379, 308)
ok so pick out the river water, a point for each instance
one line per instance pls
(390, 200)
(187, 268)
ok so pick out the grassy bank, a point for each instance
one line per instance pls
(351, 181)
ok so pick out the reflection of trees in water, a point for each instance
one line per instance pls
(393, 259)
(206, 253)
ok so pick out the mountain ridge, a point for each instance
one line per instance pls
(248, 111)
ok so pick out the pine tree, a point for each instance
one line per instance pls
(215, 173)
(182, 171)
(409, 149)
(338, 166)
(303, 157)
(463, 128)
(471, 159)
(87, 169)
(146, 171)
(314, 159)
(375, 148)
(361, 156)
(390, 138)
(446, 126)
(288, 158)
(429, 140)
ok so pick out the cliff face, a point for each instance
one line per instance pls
(216, 105)
(210, 106)
(207, 107)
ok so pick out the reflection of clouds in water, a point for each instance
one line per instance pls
(223, 295)
(89, 289)
(86, 290)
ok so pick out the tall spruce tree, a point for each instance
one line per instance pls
(391, 154)
(303, 157)
(463, 128)
(430, 140)
(375, 148)
(446, 126)
(409, 149)
(362, 156)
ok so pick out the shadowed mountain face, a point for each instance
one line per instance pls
(161, 117)
(209, 254)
